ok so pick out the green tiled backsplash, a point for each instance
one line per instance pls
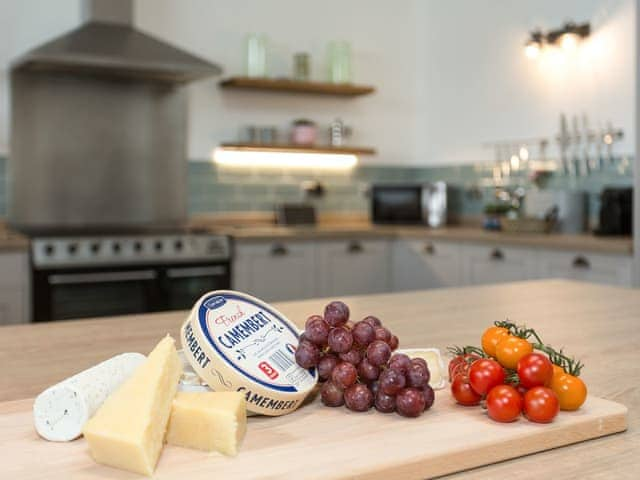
(218, 189)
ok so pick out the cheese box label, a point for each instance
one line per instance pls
(237, 342)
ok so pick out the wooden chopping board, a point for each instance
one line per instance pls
(324, 443)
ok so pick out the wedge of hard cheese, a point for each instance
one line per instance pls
(210, 421)
(128, 430)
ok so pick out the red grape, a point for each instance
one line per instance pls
(317, 330)
(385, 403)
(311, 318)
(373, 321)
(378, 353)
(352, 356)
(344, 374)
(418, 375)
(336, 313)
(331, 395)
(368, 372)
(326, 365)
(394, 342)
(420, 360)
(410, 402)
(340, 340)
(363, 333)
(358, 398)
(429, 396)
(400, 362)
(391, 382)
(307, 355)
(374, 387)
(383, 334)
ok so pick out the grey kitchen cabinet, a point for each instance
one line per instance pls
(14, 288)
(483, 264)
(421, 264)
(354, 266)
(608, 269)
(275, 270)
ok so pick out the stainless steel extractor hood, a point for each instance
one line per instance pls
(99, 128)
(107, 44)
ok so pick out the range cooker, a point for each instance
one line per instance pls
(91, 276)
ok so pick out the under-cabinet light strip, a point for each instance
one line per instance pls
(236, 158)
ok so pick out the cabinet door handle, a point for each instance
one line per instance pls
(496, 254)
(581, 262)
(279, 250)
(355, 247)
(429, 249)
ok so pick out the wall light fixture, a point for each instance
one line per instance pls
(567, 37)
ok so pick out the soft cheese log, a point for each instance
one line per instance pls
(60, 412)
(128, 431)
(210, 421)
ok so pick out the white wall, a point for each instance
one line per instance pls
(450, 74)
(477, 86)
(25, 24)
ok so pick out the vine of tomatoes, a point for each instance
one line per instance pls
(516, 373)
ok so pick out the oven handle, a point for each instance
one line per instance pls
(102, 277)
(192, 272)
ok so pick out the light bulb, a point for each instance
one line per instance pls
(532, 50)
(524, 153)
(569, 42)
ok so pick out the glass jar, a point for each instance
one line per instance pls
(256, 55)
(339, 61)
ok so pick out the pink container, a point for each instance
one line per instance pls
(304, 132)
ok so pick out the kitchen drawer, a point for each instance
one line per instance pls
(13, 305)
(352, 267)
(587, 267)
(14, 269)
(422, 264)
(497, 264)
(277, 270)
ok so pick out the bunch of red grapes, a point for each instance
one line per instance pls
(356, 364)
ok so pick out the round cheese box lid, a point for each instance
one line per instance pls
(236, 342)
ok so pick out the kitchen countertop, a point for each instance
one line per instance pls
(11, 241)
(579, 242)
(598, 324)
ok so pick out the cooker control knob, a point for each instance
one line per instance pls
(95, 248)
(157, 246)
(72, 248)
(137, 246)
(116, 247)
(178, 245)
(49, 249)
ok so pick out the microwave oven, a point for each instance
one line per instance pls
(409, 204)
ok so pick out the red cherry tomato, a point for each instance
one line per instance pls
(463, 393)
(541, 405)
(535, 370)
(460, 364)
(504, 403)
(484, 374)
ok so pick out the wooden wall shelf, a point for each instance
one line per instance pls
(286, 85)
(288, 148)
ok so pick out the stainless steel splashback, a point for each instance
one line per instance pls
(89, 151)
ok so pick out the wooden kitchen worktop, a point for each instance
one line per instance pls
(573, 242)
(596, 323)
(12, 241)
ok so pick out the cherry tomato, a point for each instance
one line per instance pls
(557, 370)
(463, 393)
(571, 391)
(511, 349)
(535, 370)
(484, 374)
(491, 337)
(504, 403)
(460, 364)
(541, 405)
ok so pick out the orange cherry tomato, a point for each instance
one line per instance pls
(570, 390)
(557, 371)
(511, 349)
(491, 337)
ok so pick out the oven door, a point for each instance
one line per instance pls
(82, 293)
(183, 285)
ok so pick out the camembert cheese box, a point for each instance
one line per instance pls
(236, 342)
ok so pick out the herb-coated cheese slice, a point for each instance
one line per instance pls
(60, 412)
(236, 342)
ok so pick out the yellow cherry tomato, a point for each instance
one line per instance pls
(511, 349)
(570, 390)
(557, 371)
(491, 337)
